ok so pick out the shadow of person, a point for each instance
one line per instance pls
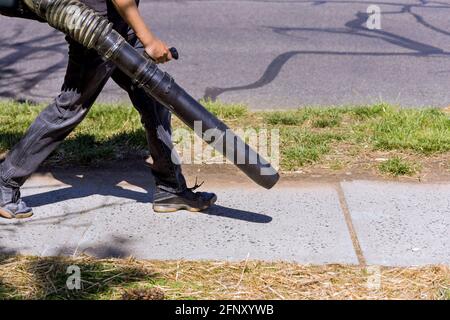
(236, 214)
(136, 184)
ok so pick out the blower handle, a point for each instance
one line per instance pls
(173, 52)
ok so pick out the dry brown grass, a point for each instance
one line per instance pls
(40, 278)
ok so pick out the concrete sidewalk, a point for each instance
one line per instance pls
(109, 215)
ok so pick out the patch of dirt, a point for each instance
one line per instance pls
(364, 166)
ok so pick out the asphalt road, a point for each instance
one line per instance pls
(108, 214)
(268, 54)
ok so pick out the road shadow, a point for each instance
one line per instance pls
(17, 85)
(353, 29)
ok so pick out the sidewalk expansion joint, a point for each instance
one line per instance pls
(350, 226)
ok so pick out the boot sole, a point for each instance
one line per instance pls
(176, 207)
(5, 214)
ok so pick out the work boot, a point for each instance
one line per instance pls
(167, 201)
(11, 206)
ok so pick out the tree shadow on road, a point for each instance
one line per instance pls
(353, 29)
(16, 84)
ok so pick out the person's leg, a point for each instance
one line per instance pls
(85, 77)
(171, 191)
(156, 120)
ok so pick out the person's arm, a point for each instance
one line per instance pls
(153, 46)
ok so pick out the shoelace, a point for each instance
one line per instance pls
(16, 196)
(196, 185)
